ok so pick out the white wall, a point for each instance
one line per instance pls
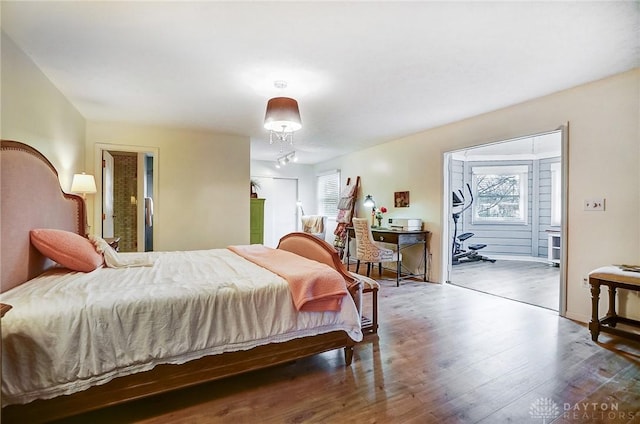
(305, 175)
(604, 161)
(203, 183)
(35, 112)
(307, 185)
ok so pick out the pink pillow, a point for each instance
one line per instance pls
(68, 249)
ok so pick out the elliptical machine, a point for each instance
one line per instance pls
(458, 254)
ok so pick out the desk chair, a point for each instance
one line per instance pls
(315, 225)
(369, 251)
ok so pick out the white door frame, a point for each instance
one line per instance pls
(97, 209)
(107, 224)
(446, 243)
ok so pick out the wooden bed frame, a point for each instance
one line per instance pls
(32, 198)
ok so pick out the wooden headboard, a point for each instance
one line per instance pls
(31, 197)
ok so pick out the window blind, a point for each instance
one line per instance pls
(328, 194)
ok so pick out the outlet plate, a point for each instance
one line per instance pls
(585, 283)
(595, 204)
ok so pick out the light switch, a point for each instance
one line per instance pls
(596, 204)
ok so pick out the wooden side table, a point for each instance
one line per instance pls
(369, 285)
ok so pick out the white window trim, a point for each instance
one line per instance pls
(523, 171)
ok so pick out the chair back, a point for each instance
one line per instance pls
(364, 238)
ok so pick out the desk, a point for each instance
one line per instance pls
(402, 240)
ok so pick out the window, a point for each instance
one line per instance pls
(500, 194)
(329, 194)
(556, 194)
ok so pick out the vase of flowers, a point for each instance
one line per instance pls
(379, 215)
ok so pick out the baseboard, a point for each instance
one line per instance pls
(519, 258)
(578, 317)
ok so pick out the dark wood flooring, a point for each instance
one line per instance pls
(443, 355)
(536, 283)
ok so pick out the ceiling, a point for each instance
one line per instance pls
(363, 72)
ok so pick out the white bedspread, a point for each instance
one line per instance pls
(68, 331)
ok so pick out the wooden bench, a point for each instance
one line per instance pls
(615, 278)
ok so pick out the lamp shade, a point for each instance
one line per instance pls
(369, 202)
(282, 115)
(83, 183)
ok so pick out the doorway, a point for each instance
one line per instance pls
(505, 217)
(280, 207)
(127, 205)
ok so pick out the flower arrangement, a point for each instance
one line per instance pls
(379, 215)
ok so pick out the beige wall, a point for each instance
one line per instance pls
(203, 183)
(35, 112)
(604, 161)
(201, 174)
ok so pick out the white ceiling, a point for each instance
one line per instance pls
(363, 72)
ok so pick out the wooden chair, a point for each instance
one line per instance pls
(370, 251)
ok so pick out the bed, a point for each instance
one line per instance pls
(168, 316)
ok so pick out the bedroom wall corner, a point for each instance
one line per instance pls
(203, 183)
(35, 112)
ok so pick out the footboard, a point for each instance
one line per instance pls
(311, 247)
(165, 378)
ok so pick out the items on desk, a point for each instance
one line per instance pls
(405, 224)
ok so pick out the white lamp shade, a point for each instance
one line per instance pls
(83, 183)
(369, 202)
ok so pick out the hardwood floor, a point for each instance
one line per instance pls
(443, 354)
(535, 283)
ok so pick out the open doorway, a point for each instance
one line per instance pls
(280, 207)
(126, 208)
(505, 219)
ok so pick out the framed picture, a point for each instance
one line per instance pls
(401, 199)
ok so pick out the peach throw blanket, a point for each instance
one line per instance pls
(315, 287)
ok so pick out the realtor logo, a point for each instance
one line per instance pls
(545, 409)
